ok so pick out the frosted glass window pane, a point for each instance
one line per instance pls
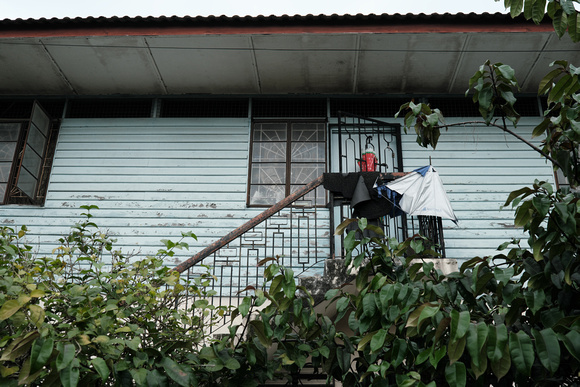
(308, 152)
(268, 173)
(2, 191)
(270, 132)
(40, 119)
(308, 131)
(32, 162)
(305, 173)
(266, 194)
(5, 172)
(9, 132)
(36, 139)
(269, 152)
(7, 151)
(27, 183)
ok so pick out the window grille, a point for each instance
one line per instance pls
(22, 108)
(465, 107)
(201, 107)
(289, 107)
(284, 156)
(367, 107)
(109, 108)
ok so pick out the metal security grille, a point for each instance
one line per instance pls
(198, 107)
(350, 138)
(355, 133)
(464, 106)
(15, 109)
(289, 107)
(109, 108)
(366, 107)
(22, 108)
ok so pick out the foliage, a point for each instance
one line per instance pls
(562, 12)
(73, 319)
(511, 319)
(502, 320)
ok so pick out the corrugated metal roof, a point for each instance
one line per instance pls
(334, 19)
(270, 55)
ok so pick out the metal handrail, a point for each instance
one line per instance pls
(215, 246)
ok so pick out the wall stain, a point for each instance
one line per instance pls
(507, 225)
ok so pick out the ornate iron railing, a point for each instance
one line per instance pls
(299, 233)
(294, 230)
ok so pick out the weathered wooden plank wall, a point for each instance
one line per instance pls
(151, 178)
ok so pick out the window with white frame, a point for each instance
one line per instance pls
(285, 155)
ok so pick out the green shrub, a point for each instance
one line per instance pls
(90, 316)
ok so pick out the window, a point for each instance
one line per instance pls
(24, 147)
(286, 155)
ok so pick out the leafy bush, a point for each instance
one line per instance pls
(74, 319)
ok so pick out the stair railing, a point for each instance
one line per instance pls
(294, 230)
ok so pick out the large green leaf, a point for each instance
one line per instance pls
(528, 5)
(522, 352)
(8, 309)
(69, 376)
(378, 340)
(516, 7)
(101, 367)
(535, 300)
(568, 6)
(40, 353)
(37, 314)
(261, 333)
(560, 23)
(559, 88)
(369, 305)
(175, 372)
(476, 339)
(480, 367)
(18, 347)
(365, 340)
(244, 306)
(548, 348)
(456, 374)
(455, 349)
(436, 356)
(398, 352)
(428, 311)
(507, 72)
(501, 367)
(156, 379)
(65, 356)
(496, 341)
(139, 375)
(459, 324)
(538, 10)
(572, 342)
(574, 26)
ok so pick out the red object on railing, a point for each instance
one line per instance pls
(368, 162)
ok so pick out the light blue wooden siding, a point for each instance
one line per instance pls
(479, 167)
(154, 178)
(151, 178)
